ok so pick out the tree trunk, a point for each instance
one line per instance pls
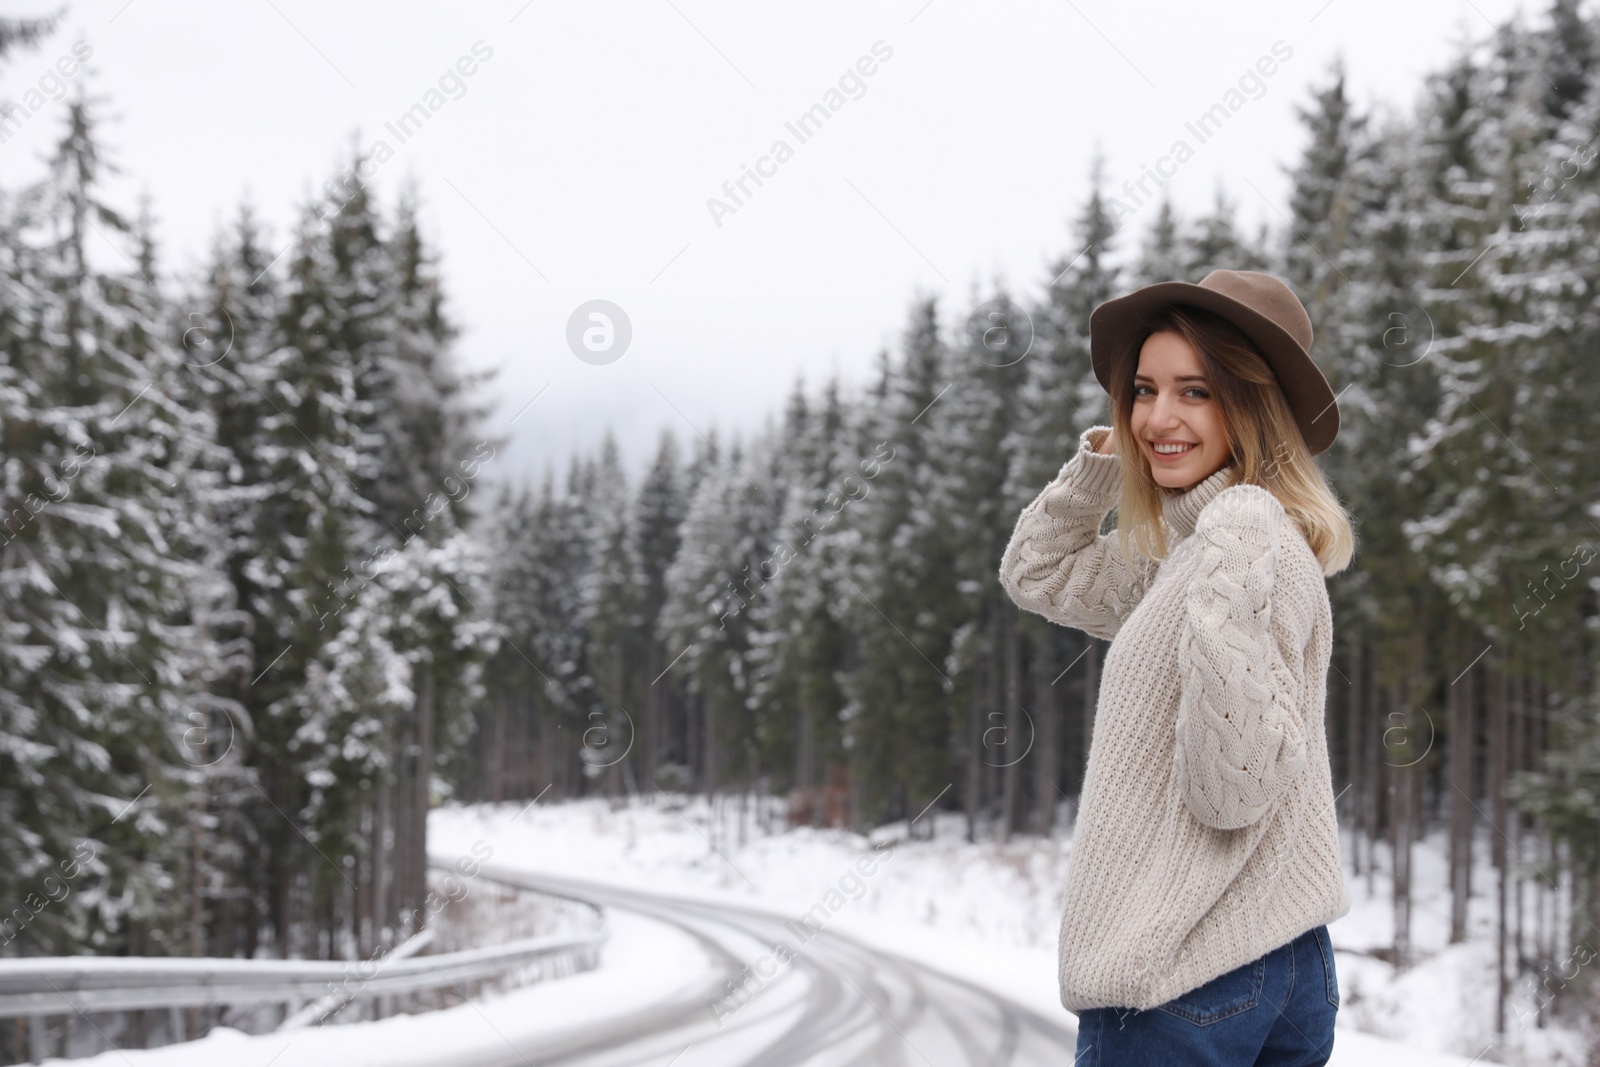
(708, 727)
(1008, 703)
(1399, 757)
(973, 785)
(1047, 710)
(1472, 697)
(1373, 775)
(383, 903)
(617, 741)
(496, 765)
(1513, 824)
(1355, 717)
(1458, 697)
(805, 755)
(197, 881)
(651, 713)
(281, 872)
(418, 843)
(1497, 798)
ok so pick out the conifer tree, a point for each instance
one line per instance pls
(905, 608)
(799, 648)
(1005, 730)
(709, 587)
(613, 624)
(1161, 255)
(1059, 398)
(100, 629)
(658, 511)
(1216, 244)
(425, 414)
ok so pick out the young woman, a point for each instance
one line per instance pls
(1205, 861)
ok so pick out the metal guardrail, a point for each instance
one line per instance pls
(36, 987)
(58, 984)
(318, 1010)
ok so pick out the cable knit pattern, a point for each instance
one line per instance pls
(1239, 743)
(1206, 833)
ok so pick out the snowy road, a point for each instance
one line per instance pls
(834, 1002)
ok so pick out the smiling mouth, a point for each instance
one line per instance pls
(1167, 452)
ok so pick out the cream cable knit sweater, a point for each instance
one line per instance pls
(1206, 834)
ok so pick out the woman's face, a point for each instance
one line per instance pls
(1174, 405)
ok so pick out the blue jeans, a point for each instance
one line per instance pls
(1276, 1011)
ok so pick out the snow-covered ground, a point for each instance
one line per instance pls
(985, 912)
(989, 911)
(642, 963)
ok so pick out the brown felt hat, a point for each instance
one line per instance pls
(1264, 309)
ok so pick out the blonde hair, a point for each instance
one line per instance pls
(1264, 438)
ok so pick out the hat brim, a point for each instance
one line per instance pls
(1116, 324)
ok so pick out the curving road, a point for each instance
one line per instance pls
(834, 1003)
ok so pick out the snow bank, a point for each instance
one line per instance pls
(642, 963)
(983, 912)
(988, 912)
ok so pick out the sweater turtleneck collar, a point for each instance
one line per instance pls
(1182, 510)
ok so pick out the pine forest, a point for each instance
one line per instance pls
(268, 600)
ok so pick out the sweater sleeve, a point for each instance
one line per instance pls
(1240, 736)
(1058, 564)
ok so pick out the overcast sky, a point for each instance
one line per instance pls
(576, 160)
